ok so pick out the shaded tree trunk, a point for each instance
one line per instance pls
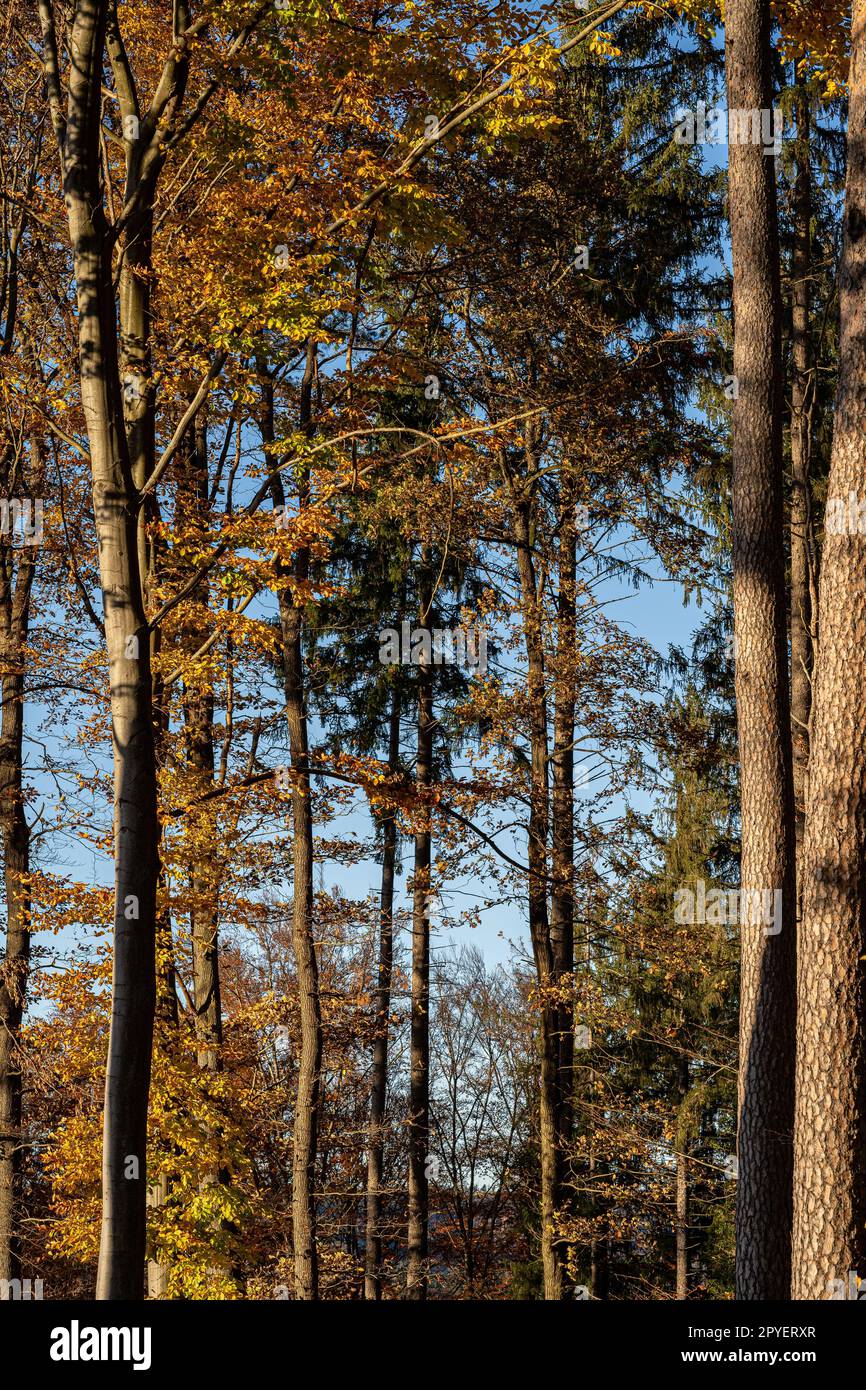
(562, 835)
(539, 927)
(767, 996)
(419, 1040)
(681, 1227)
(600, 1268)
(830, 1137)
(802, 396)
(381, 1012)
(15, 589)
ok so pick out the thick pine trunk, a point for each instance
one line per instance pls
(767, 997)
(830, 1135)
(381, 1012)
(802, 396)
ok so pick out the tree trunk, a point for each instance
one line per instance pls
(381, 1012)
(682, 1185)
(306, 963)
(562, 836)
(600, 1268)
(199, 715)
(127, 1083)
(802, 396)
(767, 990)
(830, 1138)
(419, 1042)
(682, 1227)
(539, 929)
(15, 965)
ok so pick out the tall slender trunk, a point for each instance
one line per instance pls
(600, 1246)
(682, 1186)
(166, 1019)
(16, 584)
(682, 1226)
(419, 1041)
(127, 1083)
(198, 707)
(381, 1011)
(539, 928)
(599, 1263)
(15, 588)
(306, 962)
(562, 835)
(204, 918)
(118, 462)
(830, 1136)
(767, 989)
(802, 397)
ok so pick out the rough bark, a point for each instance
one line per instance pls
(381, 1012)
(767, 1006)
(802, 391)
(830, 1137)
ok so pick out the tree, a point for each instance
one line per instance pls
(767, 984)
(829, 1181)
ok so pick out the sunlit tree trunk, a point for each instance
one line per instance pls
(124, 1175)
(767, 982)
(830, 1136)
(303, 940)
